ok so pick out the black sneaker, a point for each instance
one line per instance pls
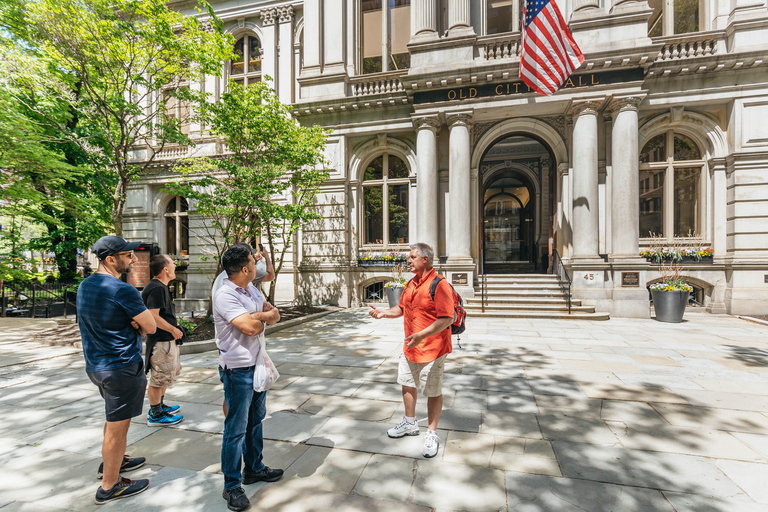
(129, 464)
(122, 489)
(265, 475)
(236, 499)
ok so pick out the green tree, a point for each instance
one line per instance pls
(123, 69)
(266, 181)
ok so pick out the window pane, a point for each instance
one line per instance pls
(500, 16)
(655, 150)
(171, 208)
(255, 61)
(397, 168)
(686, 16)
(656, 22)
(184, 222)
(685, 148)
(399, 33)
(687, 201)
(374, 220)
(371, 36)
(184, 116)
(651, 202)
(375, 171)
(170, 235)
(236, 66)
(398, 214)
(184, 204)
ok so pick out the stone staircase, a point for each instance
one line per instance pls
(526, 296)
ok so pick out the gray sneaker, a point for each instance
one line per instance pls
(404, 429)
(431, 444)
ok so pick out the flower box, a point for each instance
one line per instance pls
(387, 259)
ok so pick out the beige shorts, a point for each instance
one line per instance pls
(428, 375)
(165, 363)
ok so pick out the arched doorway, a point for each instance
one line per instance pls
(515, 170)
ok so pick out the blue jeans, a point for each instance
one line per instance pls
(243, 432)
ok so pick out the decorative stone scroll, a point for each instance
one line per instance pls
(285, 14)
(427, 123)
(268, 17)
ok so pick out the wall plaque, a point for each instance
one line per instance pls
(459, 278)
(630, 279)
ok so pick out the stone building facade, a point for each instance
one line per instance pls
(662, 131)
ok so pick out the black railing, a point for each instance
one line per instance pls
(562, 277)
(37, 300)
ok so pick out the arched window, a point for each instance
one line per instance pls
(503, 16)
(177, 228)
(672, 17)
(393, 40)
(385, 201)
(374, 292)
(245, 67)
(670, 187)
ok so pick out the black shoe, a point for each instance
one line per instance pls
(129, 464)
(236, 499)
(265, 475)
(122, 489)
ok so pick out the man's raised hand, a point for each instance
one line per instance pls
(376, 312)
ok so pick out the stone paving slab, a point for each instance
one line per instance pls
(718, 419)
(279, 499)
(324, 386)
(536, 493)
(749, 476)
(350, 408)
(697, 503)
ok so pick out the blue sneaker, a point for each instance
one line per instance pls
(163, 420)
(170, 410)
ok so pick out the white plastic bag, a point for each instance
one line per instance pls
(265, 374)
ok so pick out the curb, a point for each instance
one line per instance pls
(753, 320)
(196, 347)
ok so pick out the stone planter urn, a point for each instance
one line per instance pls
(669, 306)
(393, 295)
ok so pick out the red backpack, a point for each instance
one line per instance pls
(459, 315)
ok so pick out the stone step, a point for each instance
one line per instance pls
(518, 294)
(541, 314)
(496, 308)
(519, 286)
(556, 301)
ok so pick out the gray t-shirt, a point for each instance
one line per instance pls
(236, 350)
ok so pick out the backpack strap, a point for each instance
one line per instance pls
(433, 286)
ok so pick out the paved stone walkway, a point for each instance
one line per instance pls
(541, 415)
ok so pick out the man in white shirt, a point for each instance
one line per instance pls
(240, 312)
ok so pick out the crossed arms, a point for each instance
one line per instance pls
(252, 324)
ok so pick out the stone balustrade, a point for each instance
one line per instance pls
(380, 83)
(172, 153)
(506, 46)
(688, 46)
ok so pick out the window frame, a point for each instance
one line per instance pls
(668, 25)
(386, 39)
(246, 76)
(384, 183)
(517, 17)
(176, 215)
(668, 167)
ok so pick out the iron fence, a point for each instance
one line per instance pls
(33, 299)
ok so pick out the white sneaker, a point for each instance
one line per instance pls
(431, 444)
(404, 429)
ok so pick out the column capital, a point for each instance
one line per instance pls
(459, 119)
(584, 107)
(429, 122)
(628, 104)
(268, 16)
(285, 14)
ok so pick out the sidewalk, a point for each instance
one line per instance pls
(540, 415)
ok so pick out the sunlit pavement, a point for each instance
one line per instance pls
(540, 415)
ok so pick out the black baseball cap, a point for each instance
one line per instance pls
(109, 245)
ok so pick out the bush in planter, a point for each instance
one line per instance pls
(670, 296)
(395, 287)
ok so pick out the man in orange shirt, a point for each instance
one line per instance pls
(427, 343)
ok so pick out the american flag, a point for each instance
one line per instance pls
(549, 54)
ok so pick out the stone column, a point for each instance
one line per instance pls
(585, 217)
(385, 38)
(285, 55)
(426, 180)
(312, 38)
(458, 15)
(423, 18)
(625, 176)
(268, 45)
(459, 229)
(717, 167)
(334, 35)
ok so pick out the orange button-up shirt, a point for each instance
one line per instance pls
(420, 311)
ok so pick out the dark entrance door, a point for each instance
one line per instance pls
(508, 225)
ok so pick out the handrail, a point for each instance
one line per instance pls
(482, 293)
(559, 267)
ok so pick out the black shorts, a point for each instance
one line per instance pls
(123, 391)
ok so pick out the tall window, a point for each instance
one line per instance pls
(503, 16)
(670, 187)
(391, 40)
(177, 228)
(176, 109)
(245, 67)
(674, 17)
(385, 201)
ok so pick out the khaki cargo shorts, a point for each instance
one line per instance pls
(429, 376)
(165, 364)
